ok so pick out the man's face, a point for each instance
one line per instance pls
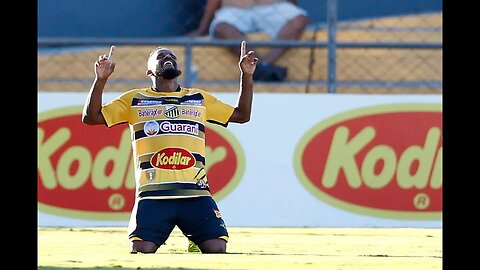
(164, 64)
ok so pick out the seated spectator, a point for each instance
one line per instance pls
(234, 19)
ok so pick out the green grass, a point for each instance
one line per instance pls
(248, 248)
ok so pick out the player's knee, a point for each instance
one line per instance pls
(144, 247)
(215, 250)
(214, 246)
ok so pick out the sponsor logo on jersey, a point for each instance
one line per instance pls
(169, 127)
(173, 159)
(381, 161)
(202, 184)
(151, 128)
(148, 102)
(191, 112)
(149, 112)
(196, 102)
(171, 100)
(217, 213)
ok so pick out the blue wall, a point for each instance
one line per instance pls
(161, 18)
(117, 18)
(364, 9)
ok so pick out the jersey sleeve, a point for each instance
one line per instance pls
(218, 112)
(117, 111)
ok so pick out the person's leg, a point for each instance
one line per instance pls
(213, 246)
(281, 21)
(143, 246)
(263, 72)
(232, 23)
(147, 230)
(291, 31)
(202, 223)
(225, 30)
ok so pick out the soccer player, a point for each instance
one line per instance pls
(167, 122)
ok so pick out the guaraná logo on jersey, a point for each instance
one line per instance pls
(87, 172)
(381, 161)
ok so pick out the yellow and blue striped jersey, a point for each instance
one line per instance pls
(168, 138)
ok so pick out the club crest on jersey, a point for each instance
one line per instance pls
(171, 111)
(173, 159)
(151, 128)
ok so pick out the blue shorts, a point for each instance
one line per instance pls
(198, 218)
(268, 18)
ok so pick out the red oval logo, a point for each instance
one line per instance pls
(173, 159)
(87, 172)
(225, 161)
(381, 161)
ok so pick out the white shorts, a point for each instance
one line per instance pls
(260, 18)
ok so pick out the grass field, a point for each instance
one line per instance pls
(248, 248)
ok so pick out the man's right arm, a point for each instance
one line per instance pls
(92, 110)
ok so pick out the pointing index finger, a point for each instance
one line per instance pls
(111, 51)
(243, 49)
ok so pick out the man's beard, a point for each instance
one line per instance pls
(169, 73)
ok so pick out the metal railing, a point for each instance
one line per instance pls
(189, 43)
(331, 45)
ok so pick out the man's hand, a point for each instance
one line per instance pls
(248, 61)
(105, 66)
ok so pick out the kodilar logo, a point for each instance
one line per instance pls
(381, 161)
